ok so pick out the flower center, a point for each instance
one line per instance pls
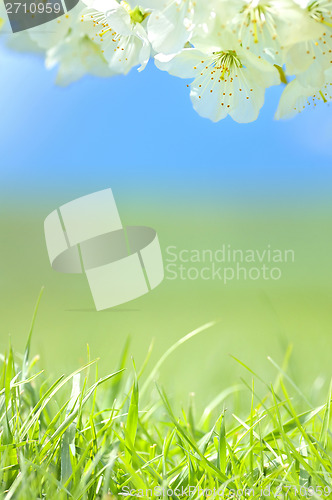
(255, 15)
(136, 14)
(225, 61)
(319, 12)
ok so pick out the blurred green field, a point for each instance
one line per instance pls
(255, 318)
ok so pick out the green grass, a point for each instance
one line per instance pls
(83, 436)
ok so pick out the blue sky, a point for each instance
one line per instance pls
(141, 130)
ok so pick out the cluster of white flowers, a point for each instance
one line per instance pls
(232, 50)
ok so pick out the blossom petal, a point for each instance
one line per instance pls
(170, 29)
(183, 65)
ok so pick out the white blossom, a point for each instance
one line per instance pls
(261, 26)
(310, 55)
(297, 97)
(76, 56)
(120, 33)
(232, 50)
(228, 80)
